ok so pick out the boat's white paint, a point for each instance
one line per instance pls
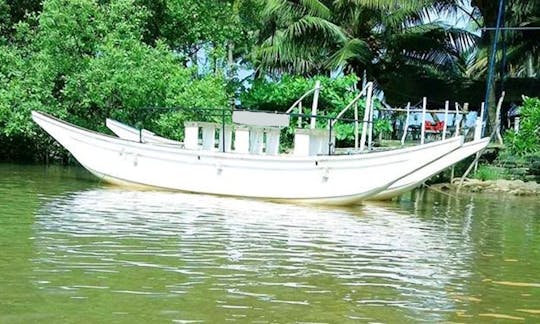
(418, 177)
(127, 132)
(336, 179)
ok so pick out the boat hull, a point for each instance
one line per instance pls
(418, 177)
(133, 134)
(339, 180)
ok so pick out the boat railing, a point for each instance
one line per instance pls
(264, 124)
(367, 91)
(423, 131)
(298, 103)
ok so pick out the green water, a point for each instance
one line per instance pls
(73, 250)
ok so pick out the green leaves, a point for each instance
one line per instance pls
(85, 60)
(527, 140)
(315, 37)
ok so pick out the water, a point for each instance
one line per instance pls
(75, 250)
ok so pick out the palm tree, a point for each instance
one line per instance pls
(378, 36)
(389, 38)
(522, 47)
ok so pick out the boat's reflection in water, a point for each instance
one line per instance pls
(244, 258)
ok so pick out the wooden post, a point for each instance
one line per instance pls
(370, 125)
(476, 162)
(456, 122)
(446, 107)
(478, 128)
(483, 105)
(406, 125)
(498, 119)
(300, 114)
(423, 126)
(356, 125)
(315, 103)
(367, 110)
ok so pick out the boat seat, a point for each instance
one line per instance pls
(312, 141)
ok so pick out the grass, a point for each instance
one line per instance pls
(488, 172)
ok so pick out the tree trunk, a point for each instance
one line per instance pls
(489, 11)
(491, 104)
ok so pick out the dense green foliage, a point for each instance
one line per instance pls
(527, 139)
(280, 94)
(336, 94)
(377, 36)
(85, 60)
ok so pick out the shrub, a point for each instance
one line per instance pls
(487, 172)
(527, 139)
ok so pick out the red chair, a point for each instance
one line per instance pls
(435, 127)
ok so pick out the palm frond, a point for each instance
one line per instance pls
(353, 49)
(316, 8)
(390, 5)
(315, 25)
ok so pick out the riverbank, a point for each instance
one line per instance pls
(510, 187)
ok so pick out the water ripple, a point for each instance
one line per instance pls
(246, 253)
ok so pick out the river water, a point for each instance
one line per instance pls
(75, 250)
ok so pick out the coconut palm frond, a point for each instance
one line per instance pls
(390, 5)
(439, 58)
(461, 39)
(353, 49)
(316, 8)
(315, 25)
(279, 54)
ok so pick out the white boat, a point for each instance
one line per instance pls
(399, 187)
(418, 177)
(145, 136)
(321, 179)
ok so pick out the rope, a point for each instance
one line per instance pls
(440, 191)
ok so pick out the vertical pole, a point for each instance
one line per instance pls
(406, 125)
(446, 106)
(477, 158)
(367, 110)
(370, 125)
(223, 129)
(423, 126)
(330, 123)
(315, 103)
(300, 114)
(492, 57)
(356, 126)
(456, 122)
(498, 119)
(482, 120)
(140, 128)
